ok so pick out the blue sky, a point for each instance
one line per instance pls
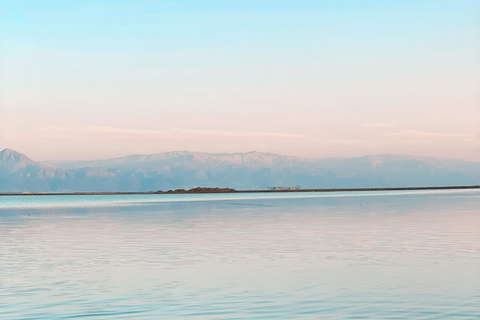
(310, 78)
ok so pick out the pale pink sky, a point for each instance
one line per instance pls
(307, 80)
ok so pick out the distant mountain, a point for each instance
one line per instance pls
(252, 170)
(187, 159)
(19, 173)
(13, 161)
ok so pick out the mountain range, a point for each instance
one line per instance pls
(242, 171)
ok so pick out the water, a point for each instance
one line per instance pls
(364, 255)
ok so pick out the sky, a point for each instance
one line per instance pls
(93, 79)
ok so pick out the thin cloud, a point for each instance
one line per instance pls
(349, 141)
(438, 134)
(393, 134)
(417, 133)
(379, 125)
(243, 134)
(97, 129)
(170, 133)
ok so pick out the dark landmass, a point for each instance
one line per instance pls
(202, 190)
(198, 190)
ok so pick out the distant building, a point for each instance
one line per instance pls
(285, 188)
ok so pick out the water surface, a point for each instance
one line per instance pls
(355, 255)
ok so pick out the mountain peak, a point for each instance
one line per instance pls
(7, 150)
(15, 157)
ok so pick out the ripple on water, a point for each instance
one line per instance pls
(395, 256)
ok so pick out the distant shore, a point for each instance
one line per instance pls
(201, 190)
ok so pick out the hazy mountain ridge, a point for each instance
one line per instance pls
(186, 158)
(251, 170)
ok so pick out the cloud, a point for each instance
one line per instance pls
(437, 134)
(379, 125)
(243, 134)
(168, 133)
(417, 133)
(355, 142)
(112, 130)
(393, 134)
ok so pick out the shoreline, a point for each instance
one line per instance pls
(226, 190)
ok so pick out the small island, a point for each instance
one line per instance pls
(198, 190)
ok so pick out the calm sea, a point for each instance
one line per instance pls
(357, 255)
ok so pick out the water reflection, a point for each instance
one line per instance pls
(405, 255)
